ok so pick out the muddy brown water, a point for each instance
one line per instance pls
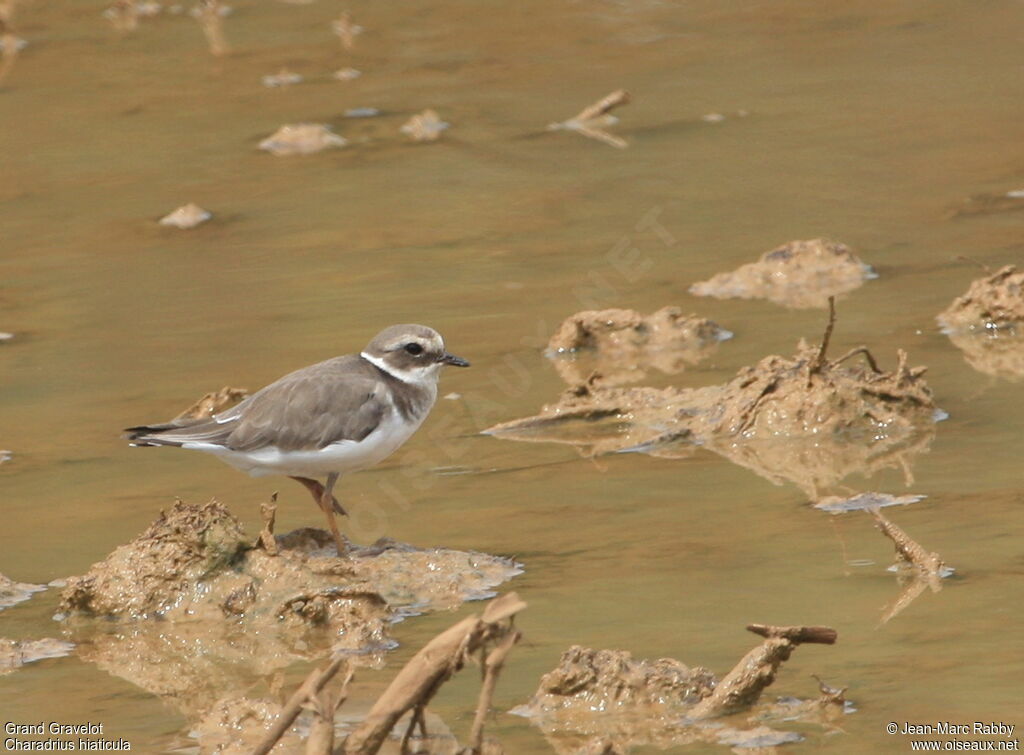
(868, 123)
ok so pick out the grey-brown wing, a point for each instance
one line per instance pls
(306, 410)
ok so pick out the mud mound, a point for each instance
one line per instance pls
(229, 611)
(799, 275)
(604, 701)
(623, 346)
(607, 679)
(12, 593)
(995, 302)
(807, 395)
(803, 418)
(986, 324)
(16, 653)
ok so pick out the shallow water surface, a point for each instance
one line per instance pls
(868, 123)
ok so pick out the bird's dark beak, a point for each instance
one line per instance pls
(453, 360)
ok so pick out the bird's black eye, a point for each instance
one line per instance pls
(414, 348)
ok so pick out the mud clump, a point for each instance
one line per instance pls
(605, 701)
(621, 345)
(799, 275)
(803, 418)
(806, 395)
(986, 324)
(608, 679)
(202, 610)
(167, 568)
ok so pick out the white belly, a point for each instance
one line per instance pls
(343, 456)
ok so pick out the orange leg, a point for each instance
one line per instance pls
(317, 491)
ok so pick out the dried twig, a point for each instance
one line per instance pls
(909, 551)
(346, 30)
(210, 14)
(315, 682)
(420, 678)
(797, 635)
(818, 364)
(593, 119)
(854, 352)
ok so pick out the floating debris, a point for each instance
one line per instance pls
(605, 701)
(712, 118)
(347, 74)
(987, 324)
(282, 78)
(10, 45)
(621, 345)
(211, 14)
(865, 502)
(16, 653)
(798, 275)
(302, 139)
(4, 337)
(424, 127)
(5, 456)
(362, 112)
(186, 216)
(346, 30)
(123, 14)
(989, 204)
(11, 592)
(592, 120)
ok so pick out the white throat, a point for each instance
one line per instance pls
(425, 376)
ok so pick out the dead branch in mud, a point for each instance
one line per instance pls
(268, 512)
(308, 690)
(796, 635)
(910, 552)
(431, 667)
(742, 686)
(492, 664)
(819, 361)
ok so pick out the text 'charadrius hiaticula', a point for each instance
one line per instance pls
(347, 413)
